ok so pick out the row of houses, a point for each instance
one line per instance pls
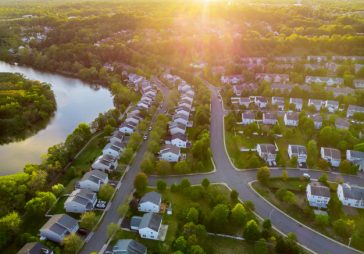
(318, 195)
(295, 59)
(177, 138)
(268, 152)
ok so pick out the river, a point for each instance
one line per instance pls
(77, 102)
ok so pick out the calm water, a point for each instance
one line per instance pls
(77, 102)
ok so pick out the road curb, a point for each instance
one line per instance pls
(303, 225)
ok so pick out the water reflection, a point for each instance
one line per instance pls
(76, 102)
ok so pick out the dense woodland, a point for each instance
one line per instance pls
(25, 106)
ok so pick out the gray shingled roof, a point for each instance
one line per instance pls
(332, 152)
(33, 248)
(353, 192)
(60, 223)
(153, 197)
(318, 189)
(152, 221)
(129, 246)
(94, 174)
(298, 149)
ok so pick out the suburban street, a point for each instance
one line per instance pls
(226, 173)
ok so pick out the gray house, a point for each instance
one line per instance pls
(80, 201)
(129, 246)
(57, 227)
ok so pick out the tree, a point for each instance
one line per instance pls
(347, 168)
(192, 215)
(205, 183)
(335, 208)
(323, 178)
(182, 167)
(312, 153)
(263, 175)
(219, 216)
(284, 175)
(57, 189)
(141, 182)
(72, 243)
(287, 246)
(163, 167)
(344, 227)
(180, 244)
(260, 247)
(249, 205)
(9, 226)
(88, 220)
(322, 220)
(238, 214)
(196, 249)
(40, 203)
(185, 184)
(161, 186)
(234, 196)
(112, 228)
(251, 231)
(106, 191)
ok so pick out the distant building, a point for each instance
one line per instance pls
(316, 103)
(268, 153)
(356, 157)
(342, 123)
(93, 180)
(269, 118)
(297, 102)
(272, 77)
(150, 226)
(329, 81)
(317, 120)
(291, 119)
(170, 153)
(331, 105)
(297, 151)
(351, 195)
(331, 155)
(359, 83)
(279, 102)
(248, 117)
(352, 109)
(318, 195)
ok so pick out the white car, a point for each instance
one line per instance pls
(145, 137)
(306, 176)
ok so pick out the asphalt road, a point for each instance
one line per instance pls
(99, 238)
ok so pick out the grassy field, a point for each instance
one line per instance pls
(299, 210)
(212, 244)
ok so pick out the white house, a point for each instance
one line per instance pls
(272, 77)
(299, 152)
(117, 136)
(317, 120)
(248, 117)
(93, 180)
(260, 101)
(180, 119)
(175, 128)
(283, 88)
(316, 103)
(331, 105)
(342, 123)
(57, 227)
(351, 195)
(279, 101)
(80, 201)
(318, 195)
(187, 97)
(183, 111)
(329, 81)
(170, 153)
(356, 157)
(179, 140)
(150, 202)
(244, 101)
(114, 149)
(269, 118)
(291, 119)
(297, 102)
(127, 127)
(128, 246)
(317, 59)
(135, 119)
(105, 162)
(331, 155)
(352, 109)
(268, 153)
(245, 87)
(150, 226)
(359, 83)
(232, 79)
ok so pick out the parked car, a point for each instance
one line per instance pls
(145, 137)
(305, 175)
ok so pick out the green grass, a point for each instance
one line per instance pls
(220, 245)
(298, 187)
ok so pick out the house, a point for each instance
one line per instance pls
(135, 222)
(232, 79)
(352, 109)
(279, 101)
(358, 67)
(80, 201)
(346, 58)
(342, 123)
(114, 149)
(272, 77)
(317, 120)
(337, 91)
(117, 136)
(290, 119)
(57, 227)
(260, 101)
(150, 202)
(351, 195)
(128, 246)
(187, 97)
(317, 59)
(269, 118)
(268, 153)
(331, 155)
(189, 92)
(356, 157)
(318, 195)
(127, 127)
(331, 105)
(359, 83)
(183, 111)
(93, 180)
(135, 119)
(316, 103)
(35, 248)
(313, 66)
(179, 140)
(143, 105)
(245, 87)
(150, 226)
(329, 81)
(253, 60)
(283, 88)
(105, 162)
(299, 152)
(185, 103)
(175, 128)
(183, 86)
(287, 59)
(170, 153)
(297, 102)
(248, 117)
(180, 119)
(244, 101)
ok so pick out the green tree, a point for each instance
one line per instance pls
(141, 182)
(112, 228)
(196, 249)
(323, 178)
(72, 243)
(161, 186)
(88, 220)
(205, 183)
(344, 227)
(57, 189)
(322, 220)
(312, 153)
(238, 214)
(180, 244)
(219, 216)
(40, 203)
(182, 167)
(234, 196)
(263, 175)
(192, 215)
(260, 247)
(251, 231)
(106, 191)
(335, 208)
(347, 168)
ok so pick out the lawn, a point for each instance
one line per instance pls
(212, 244)
(299, 211)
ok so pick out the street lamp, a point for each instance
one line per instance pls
(349, 241)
